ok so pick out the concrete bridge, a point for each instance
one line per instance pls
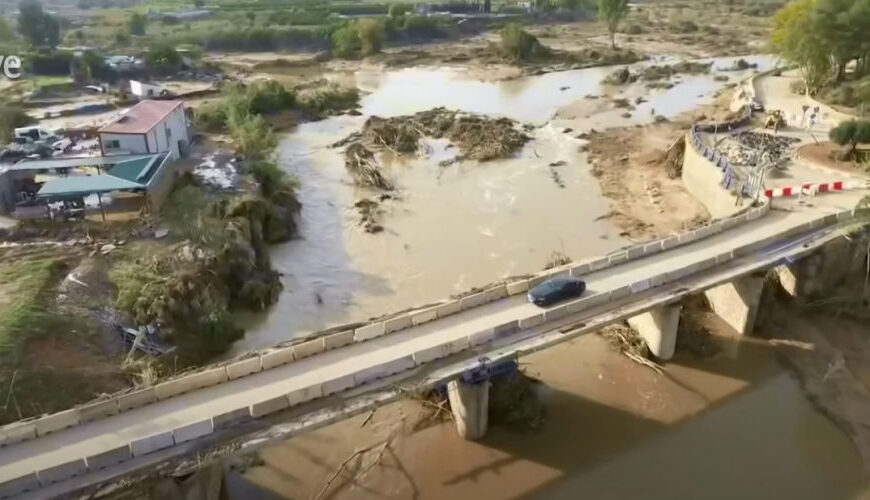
(290, 389)
(376, 363)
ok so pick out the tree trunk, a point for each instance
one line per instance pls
(613, 39)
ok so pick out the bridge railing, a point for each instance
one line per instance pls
(207, 426)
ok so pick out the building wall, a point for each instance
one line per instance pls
(152, 142)
(128, 142)
(144, 90)
(177, 124)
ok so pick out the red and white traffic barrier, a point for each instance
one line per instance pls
(814, 188)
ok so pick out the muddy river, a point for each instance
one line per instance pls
(735, 426)
(454, 227)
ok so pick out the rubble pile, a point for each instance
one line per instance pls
(750, 148)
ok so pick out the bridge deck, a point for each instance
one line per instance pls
(109, 433)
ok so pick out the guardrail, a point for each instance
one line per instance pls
(207, 426)
(729, 179)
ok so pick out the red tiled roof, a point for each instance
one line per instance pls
(141, 118)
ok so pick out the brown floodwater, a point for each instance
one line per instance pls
(734, 426)
(456, 227)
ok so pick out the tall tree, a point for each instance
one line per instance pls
(851, 133)
(37, 26)
(612, 12)
(797, 37)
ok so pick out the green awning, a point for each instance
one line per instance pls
(138, 170)
(64, 187)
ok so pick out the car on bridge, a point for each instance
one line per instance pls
(556, 290)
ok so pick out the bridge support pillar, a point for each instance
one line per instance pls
(658, 328)
(470, 406)
(737, 302)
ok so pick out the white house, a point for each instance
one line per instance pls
(148, 127)
(145, 90)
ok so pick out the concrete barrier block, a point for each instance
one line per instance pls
(616, 258)
(384, 370)
(337, 385)
(658, 280)
(829, 219)
(304, 395)
(191, 382)
(555, 313)
(57, 421)
(687, 237)
(538, 279)
(639, 286)
(582, 269)
(98, 410)
(278, 357)
(588, 302)
(244, 368)
(635, 252)
(562, 272)
(717, 227)
(472, 301)
(532, 322)
(109, 458)
(599, 264)
(441, 351)
(652, 248)
(725, 257)
(398, 323)
(368, 332)
(136, 399)
(670, 242)
(230, 418)
(517, 287)
(422, 317)
(448, 309)
(506, 329)
(495, 293)
(19, 485)
(843, 215)
(620, 293)
(62, 472)
(17, 432)
(704, 232)
(151, 444)
(482, 337)
(193, 431)
(337, 340)
(307, 349)
(269, 406)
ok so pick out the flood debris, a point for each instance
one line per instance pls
(514, 402)
(557, 258)
(371, 213)
(667, 71)
(751, 148)
(674, 158)
(363, 166)
(478, 137)
(625, 339)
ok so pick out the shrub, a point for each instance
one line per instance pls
(345, 42)
(250, 133)
(519, 45)
(398, 10)
(371, 35)
(850, 133)
(12, 117)
(634, 29)
(422, 27)
(269, 96)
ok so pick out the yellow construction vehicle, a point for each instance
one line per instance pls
(775, 120)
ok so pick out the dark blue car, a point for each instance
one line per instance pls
(556, 290)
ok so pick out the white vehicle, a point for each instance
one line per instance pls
(36, 133)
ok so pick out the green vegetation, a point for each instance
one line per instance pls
(365, 36)
(612, 12)
(163, 58)
(137, 24)
(519, 45)
(24, 311)
(36, 26)
(6, 32)
(11, 117)
(823, 37)
(851, 133)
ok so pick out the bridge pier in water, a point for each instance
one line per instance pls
(469, 403)
(658, 328)
(737, 301)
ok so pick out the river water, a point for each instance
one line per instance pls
(735, 426)
(453, 227)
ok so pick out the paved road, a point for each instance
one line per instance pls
(115, 431)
